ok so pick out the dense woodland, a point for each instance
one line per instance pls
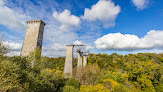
(142, 72)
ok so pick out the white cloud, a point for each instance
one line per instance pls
(89, 47)
(66, 19)
(104, 11)
(13, 46)
(55, 47)
(117, 41)
(58, 31)
(55, 39)
(58, 47)
(83, 48)
(140, 4)
(9, 18)
(55, 50)
(77, 43)
(1, 2)
(13, 53)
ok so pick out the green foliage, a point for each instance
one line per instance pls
(142, 72)
(116, 76)
(48, 80)
(159, 87)
(9, 77)
(69, 88)
(55, 63)
(120, 88)
(95, 88)
(3, 49)
(90, 75)
(72, 82)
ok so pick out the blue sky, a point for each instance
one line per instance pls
(104, 26)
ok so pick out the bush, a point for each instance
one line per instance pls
(49, 80)
(110, 84)
(91, 74)
(9, 77)
(69, 88)
(72, 82)
(116, 76)
(159, 87)
(120, 88)
(96, 88)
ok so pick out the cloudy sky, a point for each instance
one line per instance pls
(104, 26)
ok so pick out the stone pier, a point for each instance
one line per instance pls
(85, 60)
(68, 67)
(33, 36)
(79, 63)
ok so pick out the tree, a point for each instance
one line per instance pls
(69, 88)
(3, 49)
(141, 73)
(73, 82)
(9, 77)
(95, 88)
(90, 75)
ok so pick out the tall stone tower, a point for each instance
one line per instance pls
(85, 60)
(68, 67)
(80, 61)
(79, 64)
(33, 37)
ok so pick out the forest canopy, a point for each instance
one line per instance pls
(142, 72)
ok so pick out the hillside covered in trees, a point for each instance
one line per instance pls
(142, 72)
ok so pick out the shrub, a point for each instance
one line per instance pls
(109, 83)
(49, 80)
(9, 77)
(120, 88)
(116, 76)
(96, 88)
(91, 74)
(72, 82)
(159, 87)
(69, 88)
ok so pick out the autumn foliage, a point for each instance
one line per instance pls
(142, 72)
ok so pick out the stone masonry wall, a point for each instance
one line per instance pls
(68, 67)
(33, 36)
(85, 60)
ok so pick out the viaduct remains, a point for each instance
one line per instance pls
(81, 63)
(33, 39)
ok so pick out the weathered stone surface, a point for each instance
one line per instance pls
(33, 37)
(68, 67)
(85, 60)
(79, 63)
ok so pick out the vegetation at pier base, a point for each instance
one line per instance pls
(142, 72)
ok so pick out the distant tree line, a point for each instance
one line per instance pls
(142, 72)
